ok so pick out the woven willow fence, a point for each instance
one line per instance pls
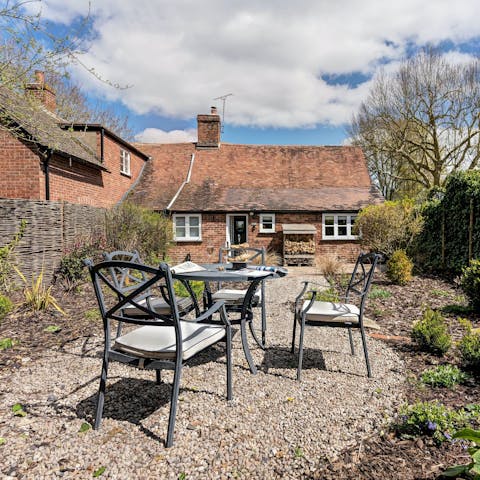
(52, 227)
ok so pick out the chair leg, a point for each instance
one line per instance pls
(300, 350)
(294, 332)
(246, 349)
(158, 376)
(261, 343)
(365, 351)
(352, 348)
(173, 402)
(101, 392)
(229, 364)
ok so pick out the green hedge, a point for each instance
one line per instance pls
(447, 215)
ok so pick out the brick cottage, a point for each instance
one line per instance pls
(264, 195)
(44, 158)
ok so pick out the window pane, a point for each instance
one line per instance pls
(352, 220)
(329, 220)
(180, 221)
(329, 231)
(194, 232)
(342, 220)
(342, 231)
(194, 221)
(180, 232)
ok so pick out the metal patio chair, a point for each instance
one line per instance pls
(235, 298)
(315, 313)
(159, 341)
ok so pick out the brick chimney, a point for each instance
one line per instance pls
(41, 91)
(208, 129)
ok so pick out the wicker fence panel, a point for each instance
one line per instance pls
(51, 228)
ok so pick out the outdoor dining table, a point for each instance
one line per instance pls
(221, 273)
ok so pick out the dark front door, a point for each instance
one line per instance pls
(238, 229)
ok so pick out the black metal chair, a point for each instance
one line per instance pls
(160, 341)
(235, 298)
(312, 312)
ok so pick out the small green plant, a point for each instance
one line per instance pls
(455, 309)
(84, 427)
(92, 314)
(431, 333)
(298, 452)
(18, 410)
(182, 476)
(399, 268)
(439, 293)
(433, 419)
(472, 469)
(181, 291)
(443, 376)
(470, 283)
(7, 343)
(328, 295)
(3, 441)
(52, 329)
(37, 296)
(377, 292)
(6, 306)
(99, 471)
(469, 347)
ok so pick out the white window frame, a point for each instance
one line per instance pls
(187, 237)
(124, 161)
(262, 229)
(336, 236)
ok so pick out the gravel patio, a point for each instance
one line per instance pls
(274, 428)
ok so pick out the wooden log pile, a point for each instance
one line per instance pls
(299, 245)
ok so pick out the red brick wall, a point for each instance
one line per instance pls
(214, 234)
(23, 176)
(20, 169)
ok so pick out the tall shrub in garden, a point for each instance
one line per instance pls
(389, 226)
(451, 235)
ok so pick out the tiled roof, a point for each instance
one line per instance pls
(41, 127)
(256, 177)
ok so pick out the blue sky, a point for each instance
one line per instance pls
(297, 70)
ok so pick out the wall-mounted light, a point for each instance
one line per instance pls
(251, 213)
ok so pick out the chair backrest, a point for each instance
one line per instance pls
(362, 276)
(112, 299)
(122, 277)
(251, 254)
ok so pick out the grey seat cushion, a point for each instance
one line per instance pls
(159, 305)
(331, 312)
(159, 342)
(235, 297)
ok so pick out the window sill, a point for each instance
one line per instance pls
(124, 174)
(340, 238)
(198, 240)
(266, 231)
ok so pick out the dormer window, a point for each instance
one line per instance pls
(124, 162)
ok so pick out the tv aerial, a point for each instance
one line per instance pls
(223, 98)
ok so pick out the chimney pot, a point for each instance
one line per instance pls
(213, 110)
(41, 91)
(40, 76)
(208, 129)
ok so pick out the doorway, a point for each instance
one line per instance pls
(237, 229)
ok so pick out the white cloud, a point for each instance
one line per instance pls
(272, 55)
(155, 135)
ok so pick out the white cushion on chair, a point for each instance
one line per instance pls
(331, 312)
(159, 305)
(159, 342)
(234, 297)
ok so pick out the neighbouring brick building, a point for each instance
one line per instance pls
(44, 158)
(219, 193)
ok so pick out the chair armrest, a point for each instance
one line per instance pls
(213, 309)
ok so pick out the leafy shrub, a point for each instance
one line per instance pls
(469, 347)
(377, 292)
(37, 296)
(7, 343)
(399, 268)
(181, 291)
(443, 376)
(71, 269)
(431, 334)
(470, 282)
(131, 227)
(433, 419)
(6, 306)
(325, 295)
(471, 469)
(6, 265)
(389, 226)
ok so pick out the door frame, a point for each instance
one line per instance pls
(228, 223)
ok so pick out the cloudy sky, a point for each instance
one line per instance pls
(297, 69)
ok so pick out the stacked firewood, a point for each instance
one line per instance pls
(299, 246)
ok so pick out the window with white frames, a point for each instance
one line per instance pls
(187, 227)
(267, 223)
(338, 226)
(124, 162)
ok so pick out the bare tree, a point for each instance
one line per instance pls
(420, 123)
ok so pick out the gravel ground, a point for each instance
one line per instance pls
(275, 427)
